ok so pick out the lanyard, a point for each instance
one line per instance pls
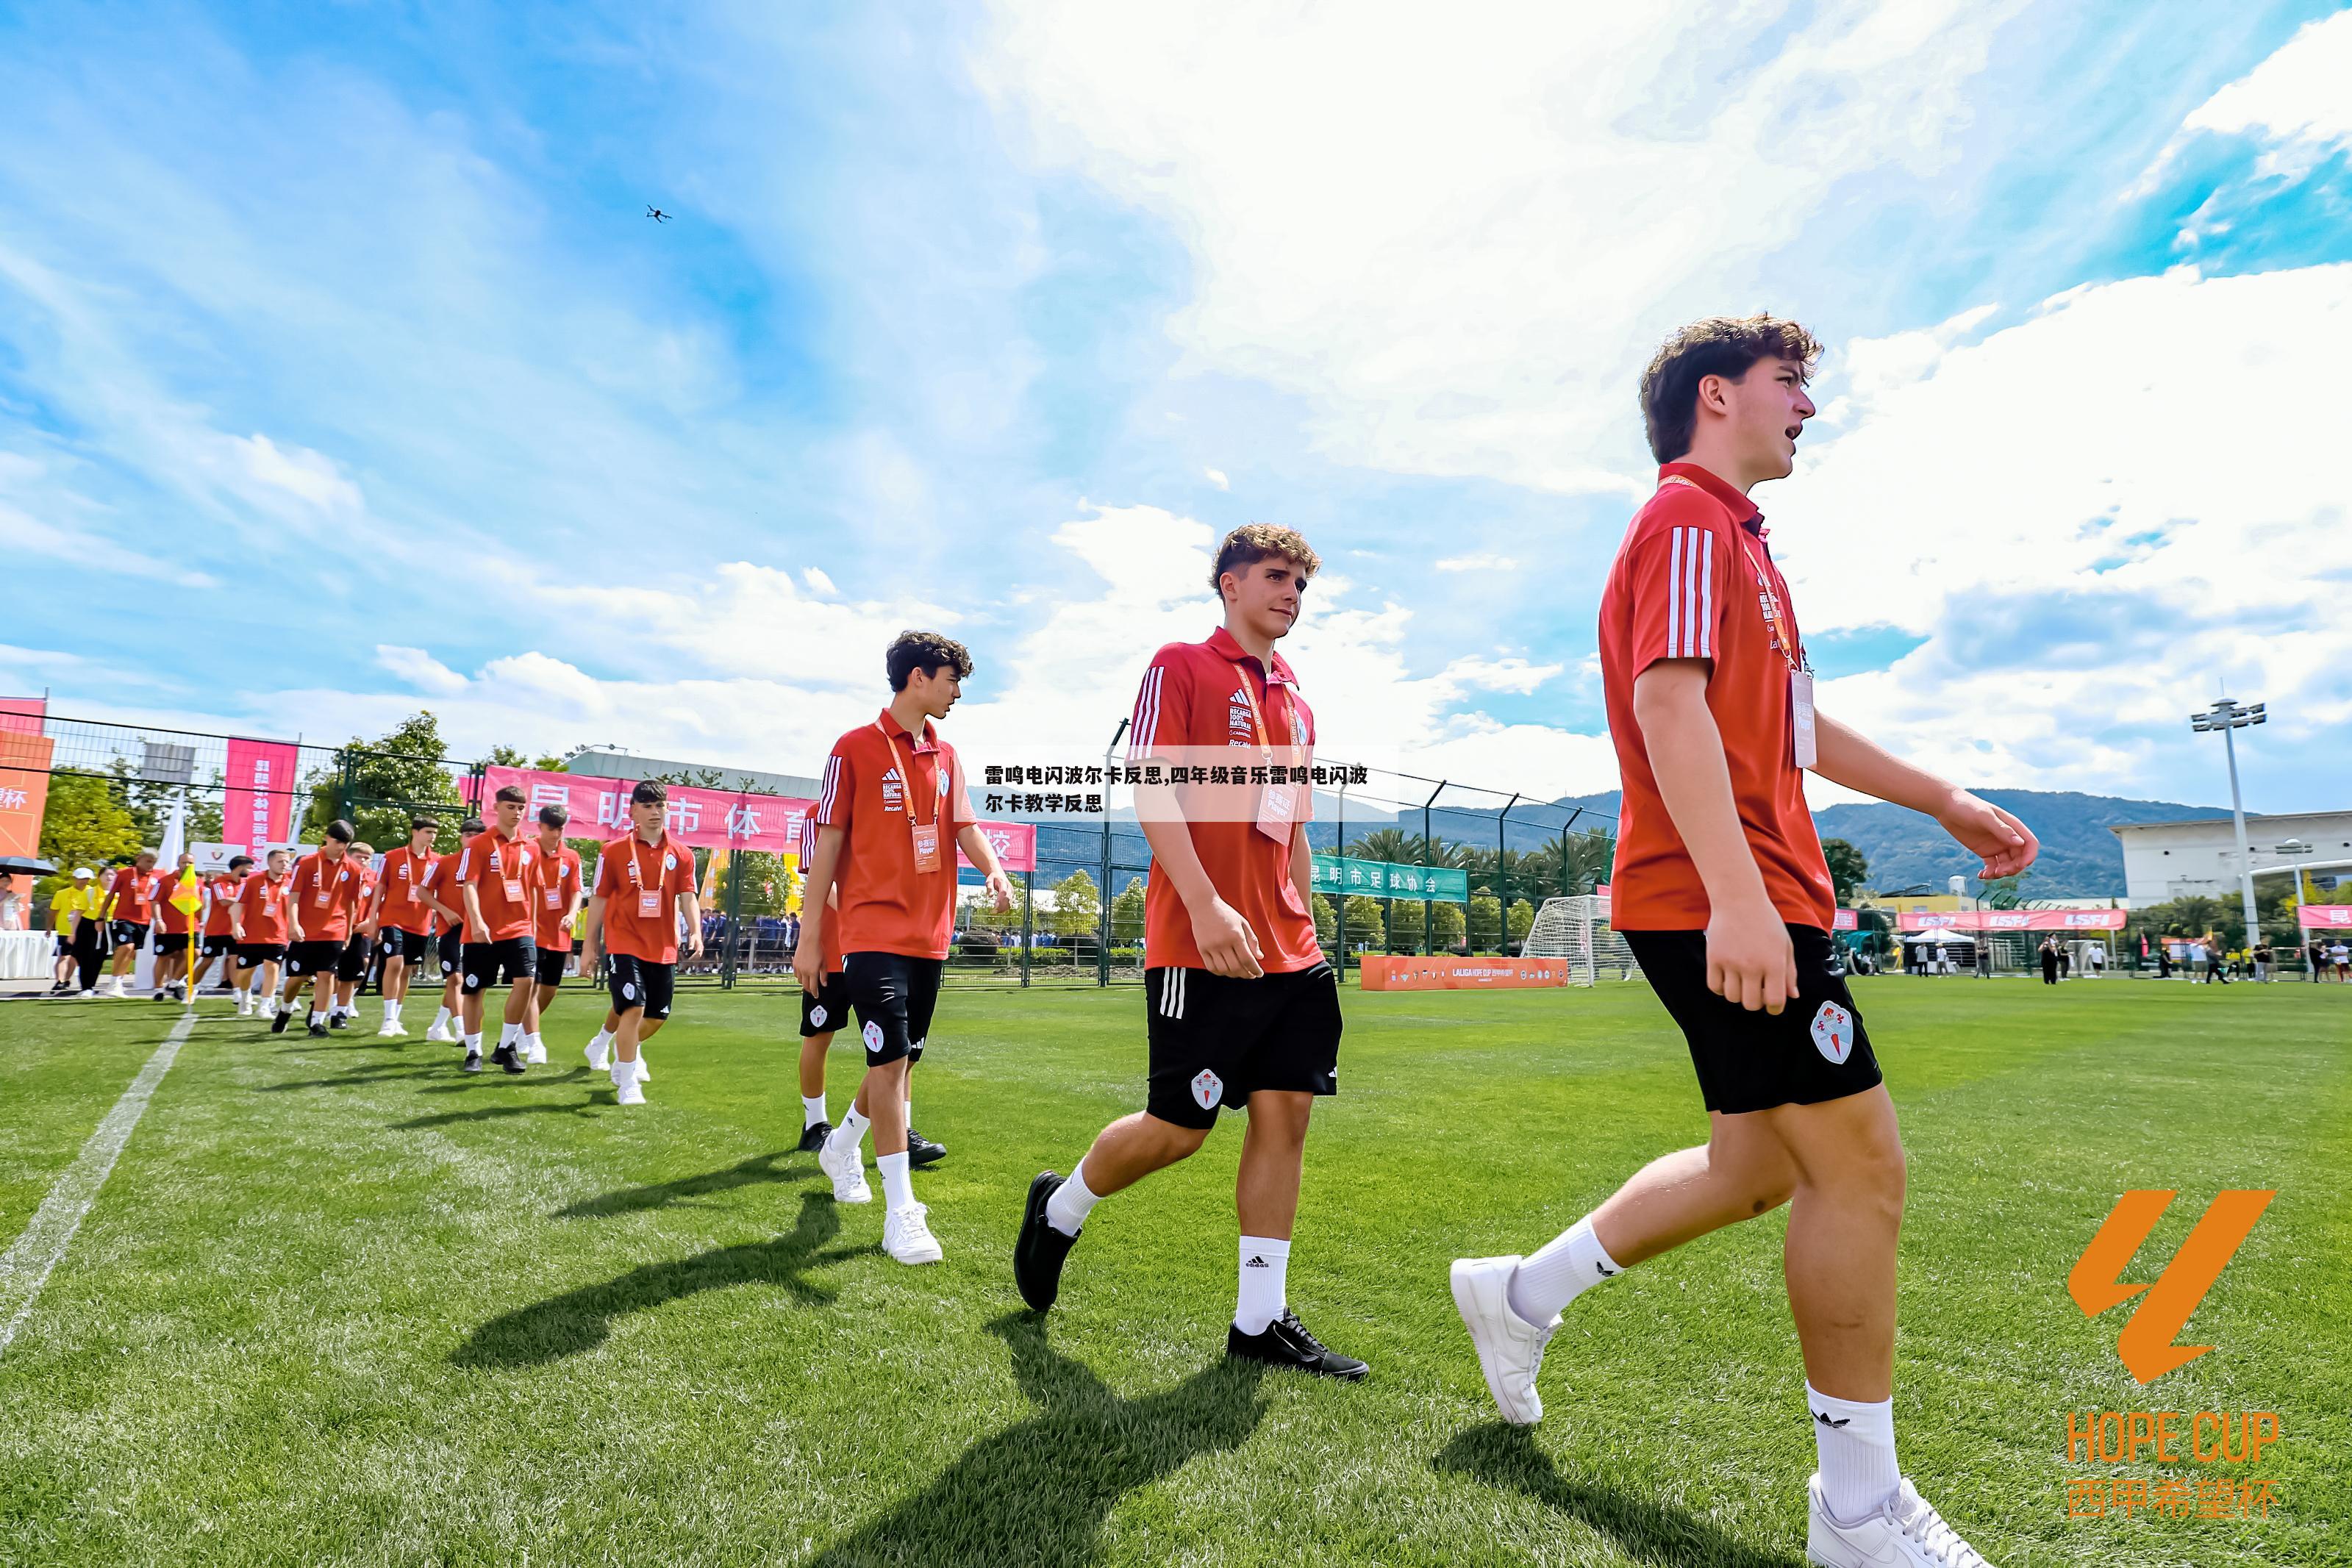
(1257, 723)
(637, 866)
(907, 776)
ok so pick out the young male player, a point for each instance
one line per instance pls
(174, 929)
(129, 911)
(449, 948)
(645, 883)
(257, 920)
(556, 894)
(1242, 1010)
(219, 932)
(493, 878)
(402, 916)
(890, 815)
(1721, 892)
(321, 898)
(823, 1011)
(352, 969)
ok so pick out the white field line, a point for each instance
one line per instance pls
(24, 1268)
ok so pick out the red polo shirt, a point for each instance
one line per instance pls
(264, 901)
(888, 906)
(554, 879)
(220, 897)
(408, 902)
(1186, 700)
(627, 869)
(327, 897)
(134, 895)
(490, 862)
(1694, 580)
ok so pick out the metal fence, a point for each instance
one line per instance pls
(1077, 918)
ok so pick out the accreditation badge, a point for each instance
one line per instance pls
(1801, 718)
(927, 846)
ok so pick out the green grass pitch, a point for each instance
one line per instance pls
(339, 1304)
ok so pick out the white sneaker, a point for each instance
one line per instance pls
(907, 1235)
(847, 1169)
(643, 1076)
(89, 996)
(244, 1006)
(537, 1055)
(627, 1086)
(1904, 1534)
(1510, 1349)
(597, 1053)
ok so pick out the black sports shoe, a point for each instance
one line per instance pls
(317, 1029)
(506, 1056)
(336, 1022)
(473, 1061)
(280, 1019)
(1287, 1343)
(921, 1151)
(1039, 1251)
(813, 1135)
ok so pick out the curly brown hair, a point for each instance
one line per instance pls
(1252, 542)
(925, 651)
(1717, 346)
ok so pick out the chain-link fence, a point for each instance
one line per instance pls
(1077, 917)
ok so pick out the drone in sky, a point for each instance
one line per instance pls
(658, 215)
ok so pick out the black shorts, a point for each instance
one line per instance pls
(253, 954)
(313, 958)
(452, 948)
(828, 1010)
(894, 995)
(1816, 1050)
(127, 934)
(217, 943)
(550, 962)
(504, 961)
(408, 947)
(1216, 1041)
(637, 982)
(352, 965)
(171, 942)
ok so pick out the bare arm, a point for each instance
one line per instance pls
(982, 855)
(1749, 959)
(593, 941)
(2006, 845)
(689, 907)
(1302, 870)
(473, 921)
(1228, 946)
(808, 953)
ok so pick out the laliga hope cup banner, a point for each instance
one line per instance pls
(257, 804)
(1444, 973)
(2012, 920)
(707, 819)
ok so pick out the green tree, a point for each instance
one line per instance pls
(1078, 907)
(84, 824)
(1522, 919)
(1391, 845)
(1326, 921)
(391, 778)
(1405, 925)
(2001, 892)
(1563, 867)
(1848, 868)
(1364, 924)
(1486, 921)
(1447, 925)
(1127, 914)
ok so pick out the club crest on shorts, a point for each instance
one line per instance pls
(628, 990)
(817, 1016)
(873, 1035)
(1834, 1032)
(1208, 1089)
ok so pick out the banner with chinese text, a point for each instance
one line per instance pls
(258, 800)
(1338, 877)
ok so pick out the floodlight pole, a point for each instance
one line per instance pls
(1428, 848)
(1502, 881)
(2227, 716)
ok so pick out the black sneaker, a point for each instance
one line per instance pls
(317, 1029)
(1039, 1251)
(337, 1021)
(1287, 1343)
(813, 1135)
(507, 1057)
(473, 1061)
(280, 1019)
(921, 1151)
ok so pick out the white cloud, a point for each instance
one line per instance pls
(2093, 516)
(420, 670)
(817, 581)
(1483, 561)
(1217, 476)
(309, 478)
(1454, 242)
(2296, 99)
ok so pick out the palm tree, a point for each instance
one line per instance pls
(1560, 867)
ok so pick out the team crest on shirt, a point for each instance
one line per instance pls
(1207, 1090)
(1834, 1033)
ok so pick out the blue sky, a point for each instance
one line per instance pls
(340, 372)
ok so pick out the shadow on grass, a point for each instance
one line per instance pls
(580, 1320)
(370, 1073)
(1038, 1492)
(467, 1081)
(493, 1114)
(1507, 1457)
(661, 1194)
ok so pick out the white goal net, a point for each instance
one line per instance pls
(1577, 929)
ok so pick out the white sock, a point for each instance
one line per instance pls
(440, 1016)
(1855, 1444)
(898, 1186)
(851, 1129)
(1560, 1270)
(812, 1110)
(391, 1009)
(1265, 1290)
(1072, 1201)
(507, 1034)
(910, 1110)
(473, 1044)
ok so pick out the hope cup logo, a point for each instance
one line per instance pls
(2096, 1283)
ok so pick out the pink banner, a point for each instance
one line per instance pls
(2323, 916)
(257, 808)
(1845, 920)
(22, 716)
(711, 818)
(2012, 920)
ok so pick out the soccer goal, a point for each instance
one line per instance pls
(1577, 929)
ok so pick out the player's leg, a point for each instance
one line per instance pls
(642, 993)
(601, 1042)
(477, 973)
(449, 955)
(924, 977)
(548, 981)
(394, 984)
(519, 963)
(126, 950)
(820, 1017)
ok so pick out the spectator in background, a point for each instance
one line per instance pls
(2098, 961)
(2341, 957)
(2050, 960)
(14, 915)
(2164, 960)
(2200, 963)
(2065, 958)
(82, 911)
(2263, 962)
(2317, 956)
